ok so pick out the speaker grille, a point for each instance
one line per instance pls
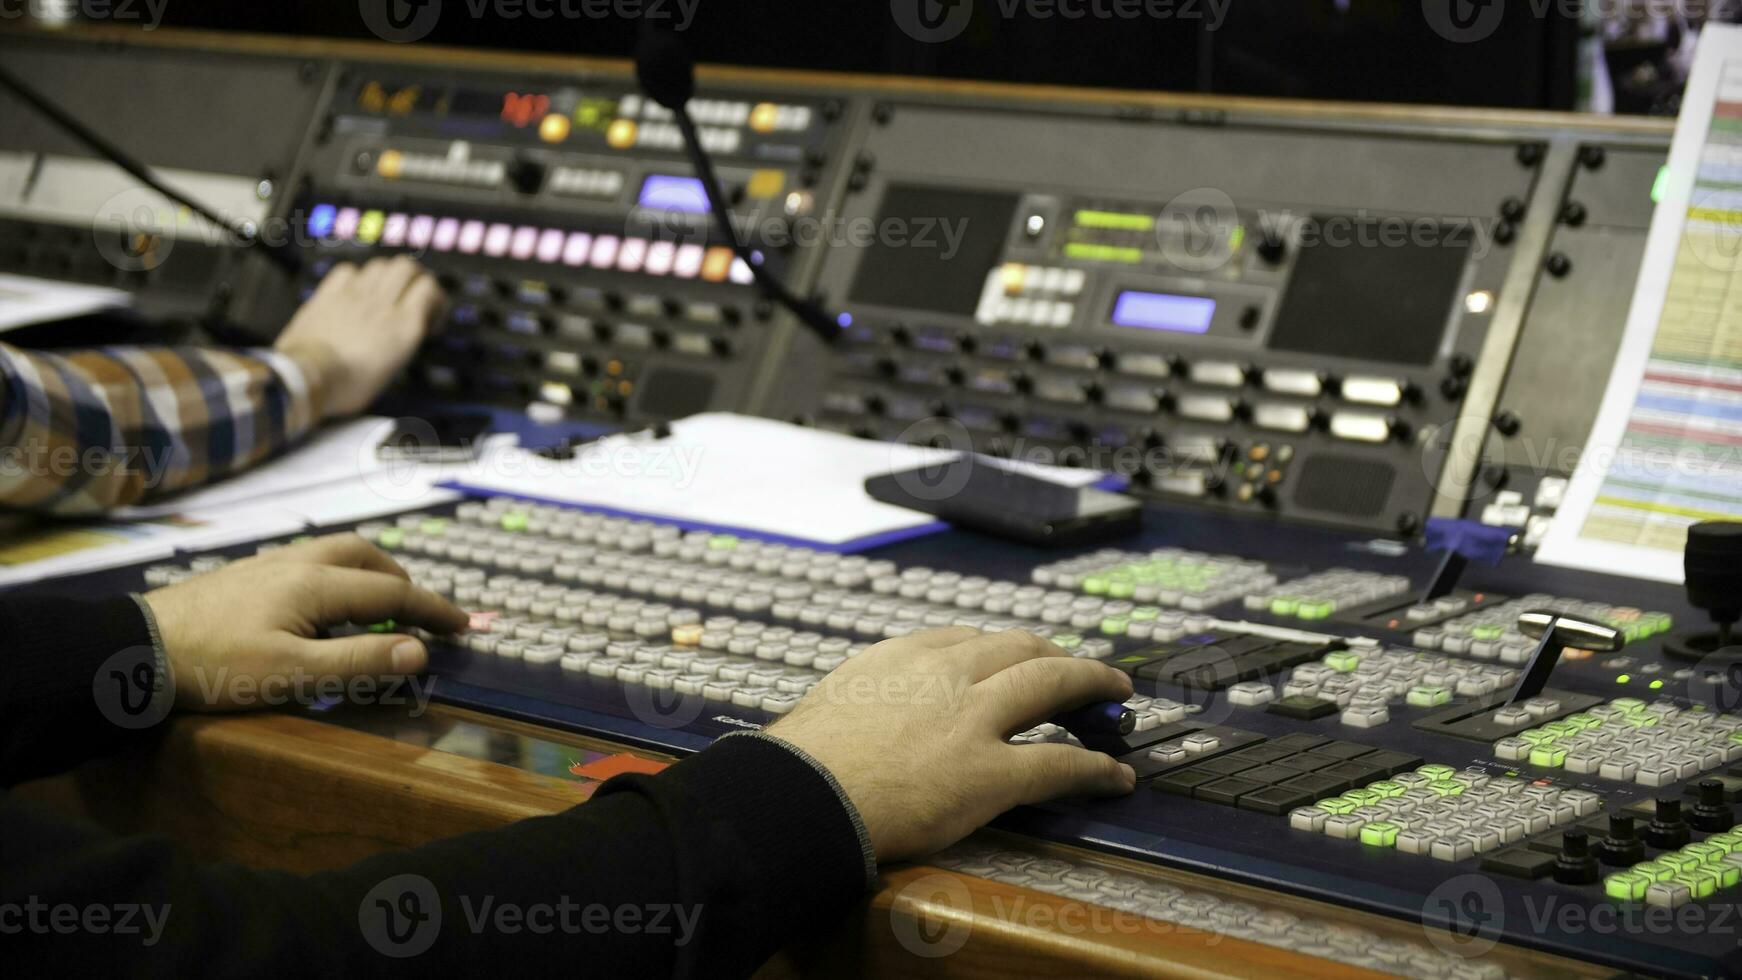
(1344, 485)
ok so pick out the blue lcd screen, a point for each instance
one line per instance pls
(664, 193)
(1160, 311)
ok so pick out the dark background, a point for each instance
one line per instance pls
(1383, 50)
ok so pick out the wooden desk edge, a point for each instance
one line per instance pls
(284, 791)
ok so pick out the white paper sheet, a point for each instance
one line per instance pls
(727, 472)
(25, 300)
(1666, 450)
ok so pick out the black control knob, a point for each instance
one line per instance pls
(1576, 865)
(1713, 564)
(1711, 814)
(1667, 831)
(1512, 209)
(1623, 846)
(526, 176)
(1272, 248)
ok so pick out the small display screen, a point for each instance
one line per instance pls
(663, 193)
(1161, 311)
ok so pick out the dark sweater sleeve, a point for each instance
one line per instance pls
(80, 679)
(703, 870)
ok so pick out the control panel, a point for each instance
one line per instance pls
(1249, 317)
(562, 216)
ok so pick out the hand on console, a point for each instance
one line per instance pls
(915, 731)
(259, 617)
(359, 329)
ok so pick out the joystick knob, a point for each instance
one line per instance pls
(1713, 563)
(1711, 814)
(1622, 846)
(1575, 865)
(1667, 831)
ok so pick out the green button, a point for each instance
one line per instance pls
(1537, 736)
(1068, 641)
(1736, 736)
(514, 520)
(391, 538)
(1702, 884)
(1626, 886)
(722, 542)
(385, 626)
(1628, 704)
(1655, 870)
(1583, 721)
(434, 526)
(1380, 833)
(1730, 841)
(1337, 805)
(1561, 728)
(1316, 610)
(1363, 797)
(1114, 625)
(1428, 697)
(1096, 585)
(1682, 863)
(1143, 614)
(1728, 874)
(1284, 605)
(1386, 788)
(1706, 851)
(1488, 632)
(1548, 757)
(1342, 661)
(1122, 589)
(1446, 787)
(1437, 771)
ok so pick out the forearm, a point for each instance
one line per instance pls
(80, 679)
(705, 869)
(91, 431)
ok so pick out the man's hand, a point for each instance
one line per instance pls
(359, 329)
(257, 619)
(915, 731)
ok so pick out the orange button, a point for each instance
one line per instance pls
(717, 264)
(621, 135)
(763, 117)
(554, 128)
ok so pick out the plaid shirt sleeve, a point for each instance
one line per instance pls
(89, 431)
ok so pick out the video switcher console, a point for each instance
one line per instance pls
(1302, 335)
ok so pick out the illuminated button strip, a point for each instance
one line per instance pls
(1439, 812)
(1030, 295)
(585, 182)
(1625, 740)
(454, 167)
(525, 243)
(1319, 595)
(1491, 632)
(1697, 871)
(1168, 576)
